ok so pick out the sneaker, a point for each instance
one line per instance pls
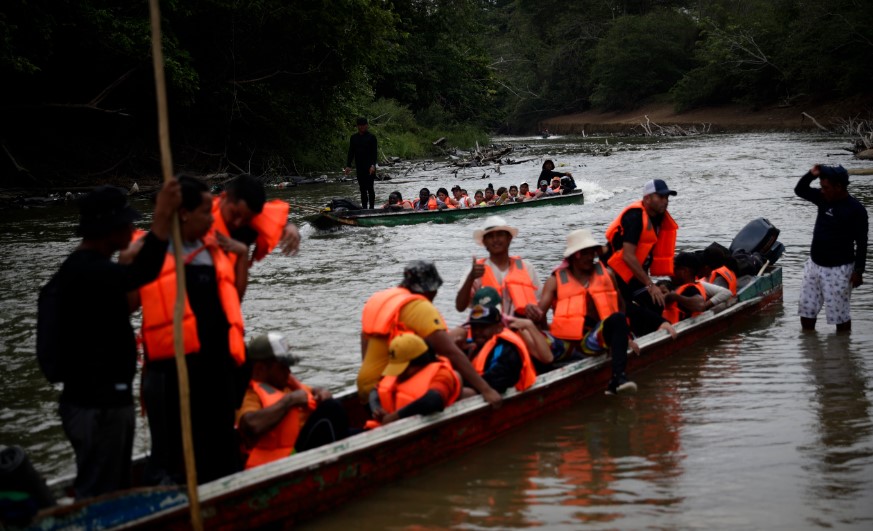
(621, 385)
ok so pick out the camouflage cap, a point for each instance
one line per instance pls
(420, 276)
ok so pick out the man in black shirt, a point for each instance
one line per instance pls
(838, 254)
(363, 150)
(99, 357)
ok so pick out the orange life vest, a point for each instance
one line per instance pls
(431, 203)
(279, 441)
(729, 276)
(269, 225)
(381, 315)
(674, 313)
(517, 280)
(662, 245)
(448, 203)
(159, 301)
(571, 302)
(395, 396)
(527, 377)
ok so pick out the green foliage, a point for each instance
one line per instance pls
(641, 56)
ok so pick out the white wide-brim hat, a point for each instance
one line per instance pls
(493, 224)
(579, 239)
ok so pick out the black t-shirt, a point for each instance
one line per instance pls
(100, 348)
(632, 229)
(839, 227)
(363, 150)
(502, 366)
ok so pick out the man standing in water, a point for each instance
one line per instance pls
(98, 360)
(363, 150)
(838, 253)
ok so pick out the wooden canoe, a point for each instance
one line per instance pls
(302, 486)
(371, 218)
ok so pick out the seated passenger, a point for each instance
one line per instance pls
(425, 201)
(415, 382)
(479, 199)
(499, 354)
(396, 202)
(461, 197)
(716, 269)
(513, 195)
(279, 415)
(588, 313)
(443, 197)
(555, 187)
(543, 190)
(689, 298)
(524, 191)
(489, 195)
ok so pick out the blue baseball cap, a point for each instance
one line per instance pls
(657, 186)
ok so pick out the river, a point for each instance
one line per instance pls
(762, 426)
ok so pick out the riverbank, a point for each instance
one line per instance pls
(721, 119)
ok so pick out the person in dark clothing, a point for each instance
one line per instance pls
(212, 358)
(838, 253)
(96, 404)
(363, 150)
(548, 173)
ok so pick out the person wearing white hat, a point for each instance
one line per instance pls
(279, 415)
(588, 313)
(514, 278)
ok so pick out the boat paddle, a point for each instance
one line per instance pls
(178, 343)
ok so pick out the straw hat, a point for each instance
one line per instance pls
(493, 224)
(579, 239)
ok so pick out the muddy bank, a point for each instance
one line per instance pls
(721, 119)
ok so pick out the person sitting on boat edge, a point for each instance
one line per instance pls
(94, 344)
(514, 279)
(642, 242)
(409, 308)
(396, 202)
(548, 173)
(588, 314)
(425, 201)
(838, 254)
(415, 382)
(243, 213)
(499, 354)
(444, 200)
(279, 415)
(692, 297)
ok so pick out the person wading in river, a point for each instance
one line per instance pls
(642, 241)
(99, 348)
(838, 255)
(408, 308)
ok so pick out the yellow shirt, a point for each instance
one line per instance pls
(420, 316)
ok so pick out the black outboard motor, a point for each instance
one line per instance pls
(23, 491)
(758, 236)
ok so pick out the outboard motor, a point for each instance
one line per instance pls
(758, 236)
(23, 491)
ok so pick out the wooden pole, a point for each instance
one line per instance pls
(178, 343)
(861, 171)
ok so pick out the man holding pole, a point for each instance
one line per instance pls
(98, 361)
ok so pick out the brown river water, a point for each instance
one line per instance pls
(762, 426)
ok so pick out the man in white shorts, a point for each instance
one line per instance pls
(838, 253)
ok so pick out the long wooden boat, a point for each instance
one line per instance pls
(302, 486)
(370, 218)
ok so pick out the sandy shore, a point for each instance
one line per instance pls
(727, 118)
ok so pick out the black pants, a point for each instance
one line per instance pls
(103, 441)
(327, 424)
(365, 183)
(645, 315)
(615, 335)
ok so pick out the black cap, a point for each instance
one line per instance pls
(836, 174)
(104, 209)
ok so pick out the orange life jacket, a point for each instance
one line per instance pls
(159, 301)
(279, 441)
(381, 315)
(517, 280)
(729, 276)
(662, 245)
(527, 377)
(269, 225)
(674, 313)
(431, 203)
(571, 302)
(448, 203)
(395, 396)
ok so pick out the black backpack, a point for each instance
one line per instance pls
(48, 330)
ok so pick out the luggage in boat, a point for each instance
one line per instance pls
(758, 236)
(338, 204)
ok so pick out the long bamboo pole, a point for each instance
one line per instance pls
(178, 343)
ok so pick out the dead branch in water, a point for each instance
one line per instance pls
(820, 126)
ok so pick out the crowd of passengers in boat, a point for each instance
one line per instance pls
(596, 299)
(550, 183)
